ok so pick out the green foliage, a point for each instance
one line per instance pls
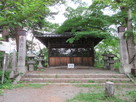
(35, 85)
(91, 81)
(133, 77)
(133, 94)
(11, 86)
(116, 4)
(95, 97)
(120, 16)
(129, 33)
(90, 86)
(1, 39)
(83, 22)
(45, 53)
(7, 82)
(95, 34)
(117, 64)
(26, 13)
(110, 45)
(134, 37)
(6, 77)
(1, 58)
(8, 85)
(20, 85)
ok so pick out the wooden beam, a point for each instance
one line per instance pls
(71, 45)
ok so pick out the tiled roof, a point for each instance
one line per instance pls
(52, 35)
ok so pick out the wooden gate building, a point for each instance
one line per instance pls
(60, 52)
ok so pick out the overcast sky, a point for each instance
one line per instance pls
(60, 18)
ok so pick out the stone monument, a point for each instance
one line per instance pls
(13, 65)
(22, 52)
(125, 66)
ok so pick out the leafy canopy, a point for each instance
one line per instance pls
(84, 22)
(25, 13)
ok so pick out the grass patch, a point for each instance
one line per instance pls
(41, 69)
(11, 86)
(133, 77)
(56, 76)
(91, 81)
(36, 85)
(74, 81)
(95, 97)
(133, 95)
(89, 86)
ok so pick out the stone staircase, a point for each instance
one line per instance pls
(66, 79)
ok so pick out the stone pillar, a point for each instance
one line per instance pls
(22, 52)
(125, 67)
(4, 67)
(13, 65)
(133, 70)
(135, 58)
(109, 89)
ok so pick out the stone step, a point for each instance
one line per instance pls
(36, 75)
(76, 80)
(101, 84)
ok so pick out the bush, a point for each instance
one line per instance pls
(7, 79)
(1, 58)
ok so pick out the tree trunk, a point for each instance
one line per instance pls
(17, 37)
(130, 40)
(5, 33)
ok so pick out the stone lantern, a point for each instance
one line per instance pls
(111, 61)
(31, 62)
(108, 61)
(40, 59)
(105, 59)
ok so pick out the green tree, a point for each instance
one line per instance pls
(85, 21)
(125, 13)
(110, 45)
(16, 14)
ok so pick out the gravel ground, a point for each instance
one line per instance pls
(57, 93)
(53, 93)
(50, 93)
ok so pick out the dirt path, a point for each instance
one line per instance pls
(55, 93)
(50, 93)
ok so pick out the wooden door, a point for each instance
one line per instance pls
(63, 61)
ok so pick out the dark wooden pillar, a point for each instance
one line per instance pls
(49, 50)
(93, 56)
